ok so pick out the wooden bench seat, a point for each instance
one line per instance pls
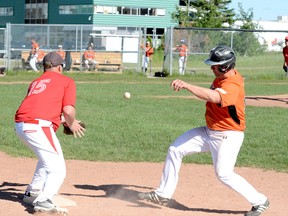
(105, 61)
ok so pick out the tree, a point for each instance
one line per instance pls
(246, 43)
(204, 14)
(212, 13)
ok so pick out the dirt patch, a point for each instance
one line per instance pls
(110, 189)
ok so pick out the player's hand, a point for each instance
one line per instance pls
(177, 85)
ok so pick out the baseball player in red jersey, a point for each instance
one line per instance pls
(48, 98)
(222, 136)
(285, 54)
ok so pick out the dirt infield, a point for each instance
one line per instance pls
(110, 189)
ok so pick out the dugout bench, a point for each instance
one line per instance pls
(105, 61)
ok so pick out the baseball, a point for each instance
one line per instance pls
(127, 95)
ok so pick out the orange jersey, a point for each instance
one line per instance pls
(89, 54)
(148, 50)
(230, 114)
(46, 97)
(183, 50)
(34, 47)
(41, 55)
(62, 54)
(285, 54)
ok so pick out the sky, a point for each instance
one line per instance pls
(263, 9)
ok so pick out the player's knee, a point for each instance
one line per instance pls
(223, 175)
(174, 152)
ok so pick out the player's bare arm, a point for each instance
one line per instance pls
(200, 92)
(69, 115)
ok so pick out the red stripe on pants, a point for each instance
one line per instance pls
(48, 134)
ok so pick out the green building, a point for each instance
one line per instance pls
(154, 15)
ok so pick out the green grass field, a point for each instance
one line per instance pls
(142, 128)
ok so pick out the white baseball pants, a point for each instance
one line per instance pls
(145, 62)
(182, 65)
(224, 147)
(33, 62)
(50, 171)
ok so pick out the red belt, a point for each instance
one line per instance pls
(32, 121)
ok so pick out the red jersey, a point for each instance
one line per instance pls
(285, 54)
(230, 114)
(46, 97)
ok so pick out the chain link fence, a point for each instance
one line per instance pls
(247, 44)
(74, 39)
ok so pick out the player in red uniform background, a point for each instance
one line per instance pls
(285, 54)
(37, 119)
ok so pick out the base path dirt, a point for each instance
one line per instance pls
(110, 189)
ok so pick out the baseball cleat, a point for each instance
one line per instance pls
(153, 197)
(48, 207)
(29, 197)
(258, 209)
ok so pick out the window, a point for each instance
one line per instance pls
(76, 9)
(102, 9)
(35, 12)
(6, 11)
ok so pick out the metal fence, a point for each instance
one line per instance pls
(74, 38)
(16, 39)
(200, 41)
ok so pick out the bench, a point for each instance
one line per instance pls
(105, 61)
(25, 57)
(25, 60)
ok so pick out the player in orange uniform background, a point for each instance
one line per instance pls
(222, 135)
(147, 57)
(89, 58)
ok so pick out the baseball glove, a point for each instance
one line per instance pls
(68, 131)
(285, 68)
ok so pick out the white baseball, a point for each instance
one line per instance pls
(127, 95)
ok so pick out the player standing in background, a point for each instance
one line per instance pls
(285, 54)
(34, 55)
(36, 122)
(149, 51)
(183, 54)
(222, 136)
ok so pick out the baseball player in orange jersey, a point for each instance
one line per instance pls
(89, 56)
(222, 136)
(37, 119)
(183, 54)
(149, 51)
(34, 55)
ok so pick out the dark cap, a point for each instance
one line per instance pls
(54, 58)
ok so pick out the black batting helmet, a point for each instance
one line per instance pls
(223, 56)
